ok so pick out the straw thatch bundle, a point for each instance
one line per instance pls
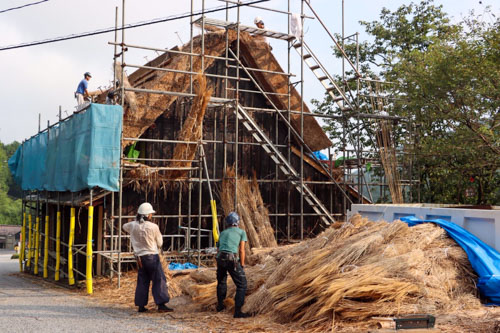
(192, 130)
(253, 213)
(357, 271)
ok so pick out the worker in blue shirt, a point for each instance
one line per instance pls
(231, 244)
(81, 91)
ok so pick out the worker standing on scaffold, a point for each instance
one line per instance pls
(146, 240)
(81, 91)
(231, 243)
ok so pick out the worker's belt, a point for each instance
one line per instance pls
(227, 256)
(147, 255)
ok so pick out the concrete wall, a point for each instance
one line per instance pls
(483, 223)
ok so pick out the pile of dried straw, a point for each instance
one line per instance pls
(355, 271)
(253, 213)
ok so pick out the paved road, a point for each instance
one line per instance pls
(27, 306)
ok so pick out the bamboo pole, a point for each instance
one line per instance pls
(23, 239)
(71, 278)
(88, 274)
(46, 247)
(58, 244)
(30, 225)
(37, 243)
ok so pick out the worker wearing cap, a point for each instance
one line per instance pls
(231, 244)
(81, 90)
(146, 241)
(259, 22)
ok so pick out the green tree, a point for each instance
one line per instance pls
(452, 90)
(10, 208)
(447, 84)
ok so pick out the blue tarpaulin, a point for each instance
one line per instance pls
(484, 259)
(81, 152)
(320, 156)
(175, 266)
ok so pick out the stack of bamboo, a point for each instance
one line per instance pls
(353, 272)
(387, 152)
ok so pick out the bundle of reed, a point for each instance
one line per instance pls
(360, 270)
(386, 146)
(250, 206)
(387, 152)
(192, 131)
(146, 179)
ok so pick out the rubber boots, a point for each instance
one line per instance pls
(239, 314)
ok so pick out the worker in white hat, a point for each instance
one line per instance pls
(146, 241)
(259, 22)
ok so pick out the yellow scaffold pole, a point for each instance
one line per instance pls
(213, 205)
(23, 239)
(37, 242)
(46, 247)
(58, 245)
(88, 274)
(28, 263)
(71, 278)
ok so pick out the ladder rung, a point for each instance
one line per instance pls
(314, 67)
(297, 45)
(338, 99)
(346, 109)
(330, 88)
(307, 56)
(322, 78)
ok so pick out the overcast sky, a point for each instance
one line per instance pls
(38, 79)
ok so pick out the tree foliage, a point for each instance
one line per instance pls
(447, 84)
(10, 207)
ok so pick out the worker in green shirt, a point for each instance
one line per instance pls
(231, 244)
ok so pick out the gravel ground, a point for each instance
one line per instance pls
(27, 305)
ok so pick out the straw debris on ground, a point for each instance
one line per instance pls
(355, 271)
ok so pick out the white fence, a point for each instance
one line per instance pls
(483, 223)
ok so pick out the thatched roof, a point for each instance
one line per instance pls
(254, 53)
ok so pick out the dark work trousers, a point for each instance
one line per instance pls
(238, 275)
(151, 271)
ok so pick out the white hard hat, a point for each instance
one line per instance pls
(257, 20)
(145, 209)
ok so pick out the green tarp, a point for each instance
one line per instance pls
(81, 152)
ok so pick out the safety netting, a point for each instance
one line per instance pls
(78, 153)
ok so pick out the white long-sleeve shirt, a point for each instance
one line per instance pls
(146, 237)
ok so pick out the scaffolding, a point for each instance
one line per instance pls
(192, 242)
